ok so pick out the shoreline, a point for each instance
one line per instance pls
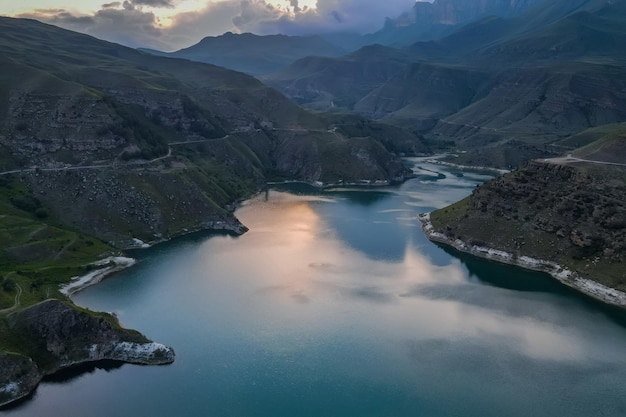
(113, 264)
(81, 282)
(436, 161)
(562, 274)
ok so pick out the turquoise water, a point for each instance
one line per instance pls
(334, 304)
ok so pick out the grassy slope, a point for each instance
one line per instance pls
(610, 148)
(38, 253)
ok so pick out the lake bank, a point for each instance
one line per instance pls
(562, 274)
(336, 303)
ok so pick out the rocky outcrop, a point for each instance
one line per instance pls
(19, 375)
(58, 335)
(430, 19)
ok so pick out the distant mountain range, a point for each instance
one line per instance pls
(260, 55)
(554, 70)
(428, 21)
(255, 54)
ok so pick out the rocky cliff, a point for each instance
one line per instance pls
(53, 335)
(429, 20)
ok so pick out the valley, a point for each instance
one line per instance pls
(107, 150)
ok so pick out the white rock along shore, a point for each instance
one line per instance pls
(103, 268)
(565, 276)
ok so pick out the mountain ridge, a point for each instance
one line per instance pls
(254, 54)
(535, 78)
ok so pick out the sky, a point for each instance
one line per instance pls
(170, 25)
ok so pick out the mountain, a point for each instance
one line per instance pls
(253, 54)
(567, 212)
(104, 147)
(432, 20)
(493, 85)
(337, 84)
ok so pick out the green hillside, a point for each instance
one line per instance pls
(103, 147)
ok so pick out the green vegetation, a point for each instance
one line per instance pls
(152, 141)
(37, 254)
(451, 214)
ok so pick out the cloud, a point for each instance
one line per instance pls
(134, 23)
(127, 25)
(154, 3)
(328, 16)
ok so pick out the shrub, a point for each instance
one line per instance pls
(27, 203)
(8, 285)
(41, 213)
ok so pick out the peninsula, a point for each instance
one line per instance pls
(564, 216)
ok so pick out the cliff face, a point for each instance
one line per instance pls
(57, 335)
(429, 20)
(455, 12)
(571, 215)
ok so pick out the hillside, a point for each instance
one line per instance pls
(567, 210)
(104, 147)
(337, 84)
(153, 145)
(493, 85)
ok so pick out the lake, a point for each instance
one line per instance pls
(335, 304)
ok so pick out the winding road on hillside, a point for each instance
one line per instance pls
(136, 163)
(569, 159)
(17, 303)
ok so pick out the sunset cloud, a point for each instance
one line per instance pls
(137, 23)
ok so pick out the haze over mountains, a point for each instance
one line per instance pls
(255, 54)
(258, 55)
(552, 71)
(493, 75)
